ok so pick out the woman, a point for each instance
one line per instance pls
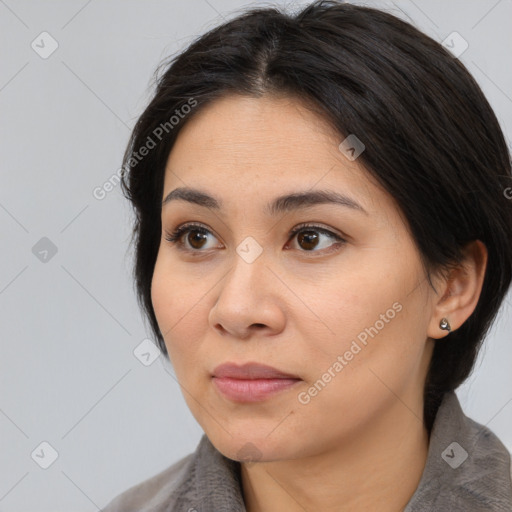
(323, 239)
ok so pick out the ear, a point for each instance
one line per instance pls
(458, 293)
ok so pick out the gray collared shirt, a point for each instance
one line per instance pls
(468, 469)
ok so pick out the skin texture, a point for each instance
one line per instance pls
(298, 307)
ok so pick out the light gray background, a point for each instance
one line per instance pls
(69, 326)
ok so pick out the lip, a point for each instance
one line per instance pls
(251, 382)
(250, 371)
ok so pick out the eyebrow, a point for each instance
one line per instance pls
(281, 204)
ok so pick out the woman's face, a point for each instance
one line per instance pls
(343, 305)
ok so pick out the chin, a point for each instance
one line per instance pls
(252, 444)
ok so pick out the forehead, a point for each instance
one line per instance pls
(265, 146)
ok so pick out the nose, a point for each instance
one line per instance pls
(249, 300)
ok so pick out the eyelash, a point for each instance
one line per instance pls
(176, 235)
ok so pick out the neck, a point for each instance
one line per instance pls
(360, 473)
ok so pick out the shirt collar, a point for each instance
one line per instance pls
(467, 469)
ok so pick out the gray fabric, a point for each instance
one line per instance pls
(206, 481)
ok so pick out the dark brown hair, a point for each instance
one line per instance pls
(432, 140)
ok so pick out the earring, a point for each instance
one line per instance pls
(445, 325)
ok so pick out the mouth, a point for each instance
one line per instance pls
(251, 382)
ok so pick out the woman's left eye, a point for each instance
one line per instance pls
(309, 237)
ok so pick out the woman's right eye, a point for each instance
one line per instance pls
(193, 243)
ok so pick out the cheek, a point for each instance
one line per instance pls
(356, 372)
(176, 303)
(353, 299)
(370, 318)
